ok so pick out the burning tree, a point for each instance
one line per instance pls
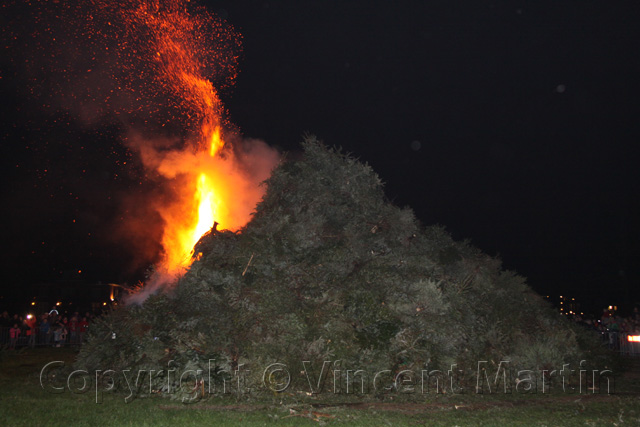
(328, 269)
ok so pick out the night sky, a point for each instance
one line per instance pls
(513, 124)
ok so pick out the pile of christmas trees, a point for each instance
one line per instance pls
(329, 270)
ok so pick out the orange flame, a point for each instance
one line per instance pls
(181, 236)
(209, 180)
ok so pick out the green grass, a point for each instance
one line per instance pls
(24, 402)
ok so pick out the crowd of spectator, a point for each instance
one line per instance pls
(48, 329)
(612, 322)
(614, 328)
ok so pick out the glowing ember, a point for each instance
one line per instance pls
(180, 45)
(210, 182)
(155, 68)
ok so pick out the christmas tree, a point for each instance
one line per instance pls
(329, 270)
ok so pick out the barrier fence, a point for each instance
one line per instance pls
(626, 343)
(38, 338)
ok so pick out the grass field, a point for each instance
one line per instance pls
(23, 401)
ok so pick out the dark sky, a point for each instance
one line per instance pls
(514, 124)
